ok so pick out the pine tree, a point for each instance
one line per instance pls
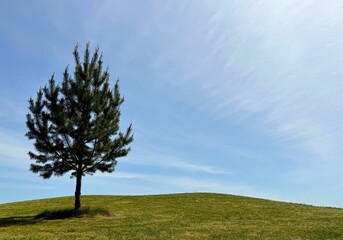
(75, 125)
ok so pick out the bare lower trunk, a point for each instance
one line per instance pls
(78, 192)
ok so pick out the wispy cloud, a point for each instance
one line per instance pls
(188, 184)
(153, 158)
(276, 65)
(11, 109)
(13, 149)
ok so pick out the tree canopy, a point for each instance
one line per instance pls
(75, 124)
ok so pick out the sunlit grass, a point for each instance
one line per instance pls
(177, 216)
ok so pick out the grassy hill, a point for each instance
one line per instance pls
(176, 216)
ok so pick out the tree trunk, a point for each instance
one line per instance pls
(78, 192)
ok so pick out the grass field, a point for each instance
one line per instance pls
(176, 216)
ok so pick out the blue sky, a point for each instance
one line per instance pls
(239, 97)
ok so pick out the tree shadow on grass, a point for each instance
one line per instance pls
(71, 213)
(53, 214)
(18, 221)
